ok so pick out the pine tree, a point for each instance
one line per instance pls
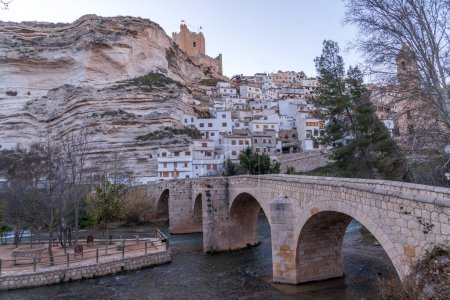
(255, 163)
(362, 146)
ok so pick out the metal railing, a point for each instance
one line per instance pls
(121, 248)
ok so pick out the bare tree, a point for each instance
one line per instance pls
(23, 170)
(76, 147)
(5, 4)
(418, 27)
(51, 199)
(114, 169)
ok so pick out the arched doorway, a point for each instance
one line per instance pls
(162, 207)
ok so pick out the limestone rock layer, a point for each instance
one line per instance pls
(60, 78)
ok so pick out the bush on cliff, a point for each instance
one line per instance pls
(155, 79)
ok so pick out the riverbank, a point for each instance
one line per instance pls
(29, 265)
(242, 274)
(83, 270)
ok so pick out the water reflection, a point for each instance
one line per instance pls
(243, 274)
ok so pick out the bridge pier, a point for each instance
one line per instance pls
(183, 209)
(215, 217)
(282, 236)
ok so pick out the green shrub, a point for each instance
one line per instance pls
(154, 79)
(116, 113)
(169, 132)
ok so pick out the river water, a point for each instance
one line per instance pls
(242, 274)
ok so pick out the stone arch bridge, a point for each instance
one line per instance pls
(308, 218)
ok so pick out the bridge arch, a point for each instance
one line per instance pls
(243, 220)
(197, 214)
(319, 237)
(162, 206)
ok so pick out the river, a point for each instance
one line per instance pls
(242, 274)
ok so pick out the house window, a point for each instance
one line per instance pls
(202, 125)
(272, 126)
(257, 126)
(176, 153)
(258, 150)
(164, 165)
(233, 152)
(233, 142)
(308, 133)
(185, 120)
(186, 165)
(165, 174)
(209, 124)
(312, 123)
(204, 144)
(194, 44)
(224, 124)
(266, 126)
(264, 141)
(208, 167)
(212, 134)
(175, 165)
(187, 153)
(163, 154)
(246, 142)
(255, 141)
(241, 142)
(224, 116)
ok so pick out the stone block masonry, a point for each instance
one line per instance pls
(28, 280)
(308, 217)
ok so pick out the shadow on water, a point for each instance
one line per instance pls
(243, 274)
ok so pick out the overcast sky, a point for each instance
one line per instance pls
(252, 35)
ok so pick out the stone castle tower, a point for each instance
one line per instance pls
(194, 45)
(408, 105)
(417, 117)
(407, 68)
(190, 42)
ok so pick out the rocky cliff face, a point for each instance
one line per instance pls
(59, 78)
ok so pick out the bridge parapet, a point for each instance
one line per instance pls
(407, 219)
(409, 191)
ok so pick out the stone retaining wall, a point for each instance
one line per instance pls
(53, 276)
(303, 161)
